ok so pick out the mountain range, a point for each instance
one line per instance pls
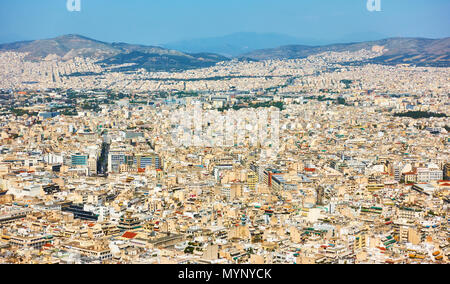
(415, 51)
(152, 58)
(236, 44)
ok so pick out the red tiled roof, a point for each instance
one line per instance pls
(129, 235)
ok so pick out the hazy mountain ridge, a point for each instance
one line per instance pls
(233, 44)
(417, 51)
(152, 58)
(236, 44)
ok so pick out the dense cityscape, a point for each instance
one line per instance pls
(307, 161)
(224, 140)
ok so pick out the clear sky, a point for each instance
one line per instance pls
(162, 21)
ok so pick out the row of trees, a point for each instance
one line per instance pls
(279, 105)
(420, 114)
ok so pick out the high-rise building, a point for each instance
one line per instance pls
(252, 180)
(79, 159)
(115, 159)
(143, 160)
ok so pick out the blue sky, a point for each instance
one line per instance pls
(162, 21)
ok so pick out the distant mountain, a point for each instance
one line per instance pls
(152, 58)
(236, 44)
(417, 51)
(66, 47)
(355, 37)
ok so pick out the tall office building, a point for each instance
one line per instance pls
(79, 159)
(141, 161)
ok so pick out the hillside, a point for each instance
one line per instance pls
(151, 58)
(416, 51)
